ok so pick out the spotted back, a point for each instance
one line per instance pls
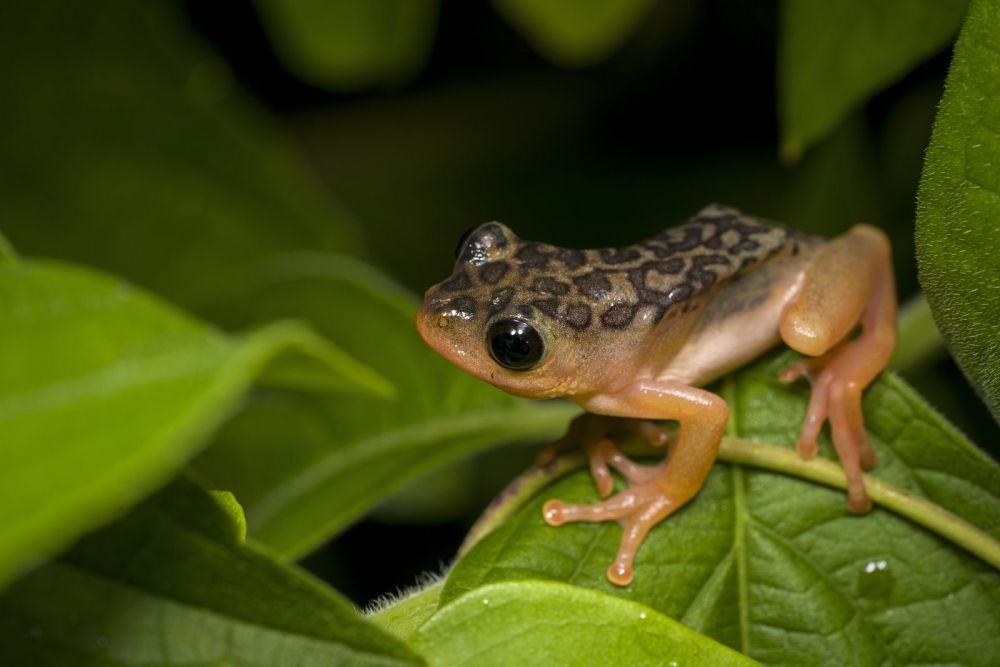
(608, 288)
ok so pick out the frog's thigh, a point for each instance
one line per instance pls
(835, 289)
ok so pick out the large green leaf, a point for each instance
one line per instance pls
(344, 44)
(575, 32)
(545, 623)
(313, 464)
(105, 391)
(775, 566)
(173, 584)
(124, 144)
(833, 56)
(958, 217)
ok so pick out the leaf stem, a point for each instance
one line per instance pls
(921, 511)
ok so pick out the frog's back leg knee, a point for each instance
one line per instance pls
(845, 283)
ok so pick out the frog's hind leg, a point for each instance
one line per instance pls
(849, 282)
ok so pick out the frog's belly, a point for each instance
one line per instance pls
(732, 331)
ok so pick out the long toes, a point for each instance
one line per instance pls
(816, 414)
(556, 512)
(851, 442)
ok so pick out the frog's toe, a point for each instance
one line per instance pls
(638, 509)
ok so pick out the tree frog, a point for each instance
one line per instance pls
(631, 334)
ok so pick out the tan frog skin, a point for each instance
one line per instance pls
(633, 332)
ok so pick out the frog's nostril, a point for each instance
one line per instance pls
(443, 321)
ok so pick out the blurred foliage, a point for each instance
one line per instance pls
(343, 44)
(108, 394)
(128, 144)
(958, 226)
(575, 32)
(834, 56)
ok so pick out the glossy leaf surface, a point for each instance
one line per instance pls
(775, 566)
(834, 56)
(173, 584)
(545, 623)
(105, 391)
(958, 218)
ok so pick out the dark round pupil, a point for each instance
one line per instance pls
(515, 344)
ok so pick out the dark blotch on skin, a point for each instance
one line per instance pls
(493, 272)
(594, 285)
(618, 255)
(457, 283)
(744, 245)
(619, 315)
(463, 304)
(548, 306)
(679, 293)
(547, 285)
(573, 259)
(532, 256)
(577, 315)
(701, 274)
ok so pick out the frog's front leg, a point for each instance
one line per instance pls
(655, 492)
(849, 282)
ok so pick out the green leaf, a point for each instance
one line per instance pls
(535, 622)
(833, 56)
(320, 462)
(125, 144)
(574, 33)
(404, 615)
(7, 254)
(775, 566)
(104, 392)
(342, 44)
(958, 213)
(173, 584)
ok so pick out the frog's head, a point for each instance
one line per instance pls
(482, 318)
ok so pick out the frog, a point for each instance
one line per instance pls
(633, 335)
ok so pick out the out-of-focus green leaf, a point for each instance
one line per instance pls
(344, 44)
(833, 56)
(173, 584)
(104, 392)
(303, 466)
(775, 566)
(124, 144)
(574, 33)
(958, 218)
(7, 254)
(546, 623)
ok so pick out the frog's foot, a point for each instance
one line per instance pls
(836, 396)
(595, 434)
(637, 509)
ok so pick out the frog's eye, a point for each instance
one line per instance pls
(461, 241)
(514, 344)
